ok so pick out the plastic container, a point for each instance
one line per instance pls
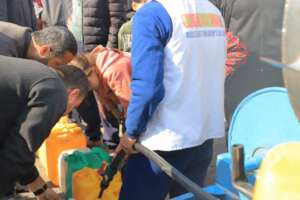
(64, 136)
(73, 160)
(112, 192)
(86, 186)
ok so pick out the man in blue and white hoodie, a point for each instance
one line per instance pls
(177, 99)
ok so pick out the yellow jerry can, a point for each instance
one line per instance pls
(279, 175)
(86, 185)
(63, 136)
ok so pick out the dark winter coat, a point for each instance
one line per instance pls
(18, 12)
(258, 23)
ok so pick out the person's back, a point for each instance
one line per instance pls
(14, 39)
(18, 12)
(194, 64)
(114, 71)
(25, 76)
(111, 71)
(56, 12)
(258, 24)
(177, 88)
(28, 91)
(124, 36)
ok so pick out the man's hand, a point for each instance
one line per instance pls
(49, 194)
(126, 143)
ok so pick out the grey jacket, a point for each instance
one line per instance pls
(56, 12)
(19, 12)
(14, 40)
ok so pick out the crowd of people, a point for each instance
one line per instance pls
(167, 68)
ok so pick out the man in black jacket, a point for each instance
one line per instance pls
(258, 23)
(32, 99)
(52, 46)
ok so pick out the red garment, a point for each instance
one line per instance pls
(38, 11)
(39, 3)
(114, 71)
(236, 53)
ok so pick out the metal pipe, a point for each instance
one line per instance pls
(239, 178)
(173, 173)
(272, 62)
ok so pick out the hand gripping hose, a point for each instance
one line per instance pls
(171, 171)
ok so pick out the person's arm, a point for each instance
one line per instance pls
(237, 53)
(47, 101)
(88, 110)
(152, 28)
(119, 81)
(44, 191)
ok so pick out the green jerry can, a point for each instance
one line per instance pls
(72, 161)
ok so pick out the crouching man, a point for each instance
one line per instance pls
(109, 73)
(32, 99)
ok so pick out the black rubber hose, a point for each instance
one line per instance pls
(111, 170)
(173, 173)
